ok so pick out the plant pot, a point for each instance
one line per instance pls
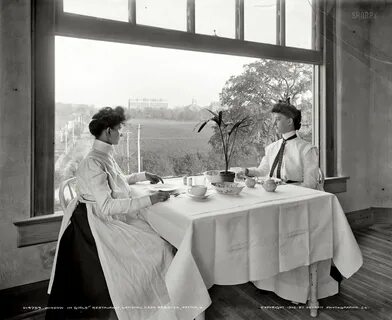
(227, 176)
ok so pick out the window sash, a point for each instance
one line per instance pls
(49, 20)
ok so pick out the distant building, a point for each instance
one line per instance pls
(147, 103)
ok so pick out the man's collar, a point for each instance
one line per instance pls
(288, 134)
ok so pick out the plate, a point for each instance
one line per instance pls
(163, 187)
(199, 197)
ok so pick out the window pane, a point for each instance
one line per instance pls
(170, 14)
(299, 23)
(166, 92)
(260, 20)
(107, 9)
(215, 17)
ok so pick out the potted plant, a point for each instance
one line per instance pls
(228, 133)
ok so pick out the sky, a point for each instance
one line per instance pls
(103, 73)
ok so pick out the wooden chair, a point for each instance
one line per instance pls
(67, 192)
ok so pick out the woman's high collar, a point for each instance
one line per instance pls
(103, 147)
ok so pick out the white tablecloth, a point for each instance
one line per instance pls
(267, 238)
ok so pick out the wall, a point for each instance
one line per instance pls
(24, 265)
(353, 100)
(380, 113)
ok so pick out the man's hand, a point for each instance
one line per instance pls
(153, 178)
(159, 196)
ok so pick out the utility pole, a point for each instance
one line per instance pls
(73, 133)
(128, 156)
(138, 148)
(66, 138)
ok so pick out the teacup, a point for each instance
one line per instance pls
(197, 190)
(250, 182)
(270, 185)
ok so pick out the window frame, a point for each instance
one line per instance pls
(49, 20)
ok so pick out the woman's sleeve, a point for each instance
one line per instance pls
(263, 168)
(311, 168)
(97, 179)
(136, 177)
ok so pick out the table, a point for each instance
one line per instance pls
(272, 239)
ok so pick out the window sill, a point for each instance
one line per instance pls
(37, 230)
(335, 184)
(44, 229)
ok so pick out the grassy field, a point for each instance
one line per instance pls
(168, 136)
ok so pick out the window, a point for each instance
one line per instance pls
(215, 17)
(299, 23)
(170, 14)
(107, 9)
(260, 20)
(209, 71)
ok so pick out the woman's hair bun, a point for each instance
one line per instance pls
(106, 117)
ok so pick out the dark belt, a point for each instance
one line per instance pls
(292, 181)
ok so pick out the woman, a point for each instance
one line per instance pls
(109, 262)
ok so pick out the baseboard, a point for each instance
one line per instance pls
(20, 302)
(367, 217)
(382, 215)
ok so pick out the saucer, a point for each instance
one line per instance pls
(163, 187)
(198, 197)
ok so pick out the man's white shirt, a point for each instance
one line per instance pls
(300, 161)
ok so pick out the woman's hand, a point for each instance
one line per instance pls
(159, 196)
(153, 178)
(242, 174)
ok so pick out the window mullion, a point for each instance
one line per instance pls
(239, 19)
(132, 11)
(190, 16)
(282, 27)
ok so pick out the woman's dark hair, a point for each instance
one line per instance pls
(106, 118)
(284, 107)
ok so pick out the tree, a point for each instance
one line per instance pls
(252, 93)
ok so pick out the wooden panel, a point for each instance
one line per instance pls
(282, 27)
(190, 16)
(382, 215)
(277, 22)
(239, 19)
(38, 230)
(43, 107)
(330, 89)
(107, 30)
(360, 218)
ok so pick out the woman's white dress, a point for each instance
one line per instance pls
(134, 258)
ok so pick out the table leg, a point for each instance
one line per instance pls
(201, 316)
(313, 303)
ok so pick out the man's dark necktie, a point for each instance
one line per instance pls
(279, 158)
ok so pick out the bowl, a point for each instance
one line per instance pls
(213, 176)
(197, 190)
(230, 188)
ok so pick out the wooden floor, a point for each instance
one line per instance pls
(369, 290)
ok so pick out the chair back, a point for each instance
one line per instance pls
(320, 180)
(67, 192)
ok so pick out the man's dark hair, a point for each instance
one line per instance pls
(284, 107)
(106, 118)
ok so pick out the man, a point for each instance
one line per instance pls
(291, 158)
